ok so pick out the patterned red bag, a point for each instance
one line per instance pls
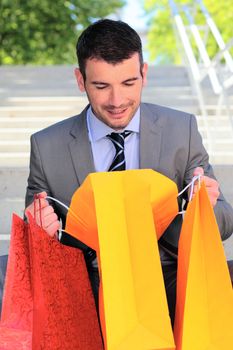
(16, 318)
(48, 301)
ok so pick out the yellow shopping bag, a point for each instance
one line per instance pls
(204, 310)
(124, 210)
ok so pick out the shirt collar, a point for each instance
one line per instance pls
(98, 130)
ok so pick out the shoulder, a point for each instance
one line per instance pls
(62, 129)
(56, 129)
(170, 119)
(163, 113)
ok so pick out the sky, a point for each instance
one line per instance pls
(133, 14)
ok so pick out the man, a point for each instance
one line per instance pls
(112, 74)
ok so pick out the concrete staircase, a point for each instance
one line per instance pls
(33, 98)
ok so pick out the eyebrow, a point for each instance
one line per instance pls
(123, 82)
(129, 80)
(98, 83)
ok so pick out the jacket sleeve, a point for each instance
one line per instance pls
(37, 179)
(198, 157)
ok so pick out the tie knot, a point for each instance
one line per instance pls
(118, 139)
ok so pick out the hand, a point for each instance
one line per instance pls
(212, 186)
(49, 219)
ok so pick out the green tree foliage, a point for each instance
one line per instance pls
(45, 31)
(162, 43)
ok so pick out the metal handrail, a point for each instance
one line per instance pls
(219, 55)
(217, 35)
(203, 52)
(198, 70)
(185, 40)
(193, 68)
(215, 61)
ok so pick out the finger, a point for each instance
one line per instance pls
(47, 211)
(38, 203)
(40, 200)
(35, 209)
(212, 187)
(198, 171)
(213, 200)
(38, 206)
(48, 220)
(29, 210)
(209, 182)
(44, 216)
(42, 195)
(53, 228)
(213, 195)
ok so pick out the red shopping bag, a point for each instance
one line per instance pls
(16, 317)
(47, 294)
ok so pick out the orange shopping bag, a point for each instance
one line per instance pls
(119, 214)
(204, 310)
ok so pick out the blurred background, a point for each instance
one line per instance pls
(188, 45)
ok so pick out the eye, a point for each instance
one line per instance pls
(100, 86)
(129, 84)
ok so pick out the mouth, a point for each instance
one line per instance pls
(117, 113)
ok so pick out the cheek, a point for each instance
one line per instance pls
(97, 99)
(136, 94)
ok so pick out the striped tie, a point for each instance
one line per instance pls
(118, 163)
(118, 140)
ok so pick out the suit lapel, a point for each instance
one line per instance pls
(80, 148)
(150, 143)
(150, 138)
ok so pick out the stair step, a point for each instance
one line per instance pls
(27, 122)
(42, 111)
(8, 206)
(45, 99)
(14, 155)
(14, 161)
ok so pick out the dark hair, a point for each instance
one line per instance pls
(108, 40)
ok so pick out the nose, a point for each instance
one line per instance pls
(116, 97)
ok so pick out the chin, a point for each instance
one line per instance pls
(118, 126)
(120, 123)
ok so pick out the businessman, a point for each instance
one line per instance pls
(116, 131)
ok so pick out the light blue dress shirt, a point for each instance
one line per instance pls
(103, 149)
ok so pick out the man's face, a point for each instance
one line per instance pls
(114, 91)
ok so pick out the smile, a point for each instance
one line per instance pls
(117, 112)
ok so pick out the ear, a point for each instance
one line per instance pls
(80, 80)
(144, 74)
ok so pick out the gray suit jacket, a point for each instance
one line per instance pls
(170, 143)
